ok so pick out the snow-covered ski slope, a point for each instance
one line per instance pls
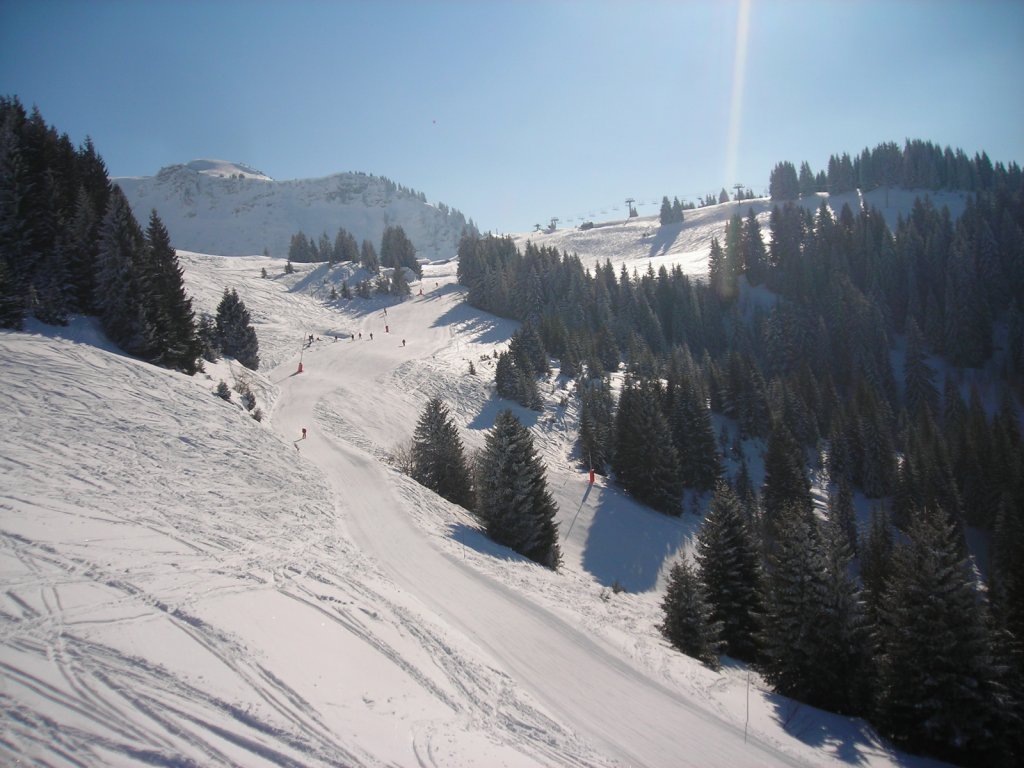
(214, 206)
(185, 586)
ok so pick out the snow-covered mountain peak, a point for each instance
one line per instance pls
(231, 209)
(226, 169)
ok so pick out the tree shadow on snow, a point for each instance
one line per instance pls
(475, 539)
(628, 544)
(495, 405)
(479, 326)
(663, 239)
(848, 739)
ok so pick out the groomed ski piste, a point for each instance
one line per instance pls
(184, 585)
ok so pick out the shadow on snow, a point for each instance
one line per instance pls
(628, 543)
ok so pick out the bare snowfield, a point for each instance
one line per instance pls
(186, 586)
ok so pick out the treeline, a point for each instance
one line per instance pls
(396, 250)
(807, 369)
(70, 244)
(673, 213)
(918, 165)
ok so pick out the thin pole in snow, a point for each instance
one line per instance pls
(748, 709)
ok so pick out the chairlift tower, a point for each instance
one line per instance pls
(739, 189)
(630, 210)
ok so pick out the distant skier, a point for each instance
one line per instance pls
(303, 433)
(403, 342)
(371, 335)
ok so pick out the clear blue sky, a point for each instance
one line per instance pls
(515, 112)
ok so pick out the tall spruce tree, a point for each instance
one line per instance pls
(645, 461)
(693, 436)
(119, 296)
(919, 378)
(785, 480)
(730, 570)
(597, 423)
(235, 332)
(811, 638)
(936, 680)
(513, 500)
(396, 250)
(688, 623)
(438, 457)
(176, 341)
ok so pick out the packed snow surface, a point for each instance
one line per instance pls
(186, 586)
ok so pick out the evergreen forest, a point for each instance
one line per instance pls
(884, 362)
(70, 245)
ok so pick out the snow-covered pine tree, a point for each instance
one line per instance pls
(693, 435)
(811, 639)
(176, 343)
(919, 379)
(438, 457)
(688, 623)
(645, 462)
(795, 606)
(513, 500)
(665, 214)
(936, 678)
(597, 422)
(396, 250)
(785, 480)
(399, 283)
(235, 332)
(118, 293)
(368, 258)
(841, 512)
(730, 569)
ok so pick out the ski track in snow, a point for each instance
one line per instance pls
(184, 586)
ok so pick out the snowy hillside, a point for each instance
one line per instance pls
(213, 206)
(186, 586)
(641, 241)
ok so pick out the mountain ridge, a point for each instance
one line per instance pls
(215, 206)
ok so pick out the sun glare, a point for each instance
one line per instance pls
(739, 71)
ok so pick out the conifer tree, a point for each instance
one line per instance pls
(665, 215)
(918, 376)
(396, 250)
(785, 480)
(688, 623)
(368, 257)
(597, 423)
(399, 282)
(811, 642)
(235, 332)
(693, 436)
(645, 461)
(730, 569)
(937, 689)
(119, 296)
(176, 343)
(438, 457)
(513, 500)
